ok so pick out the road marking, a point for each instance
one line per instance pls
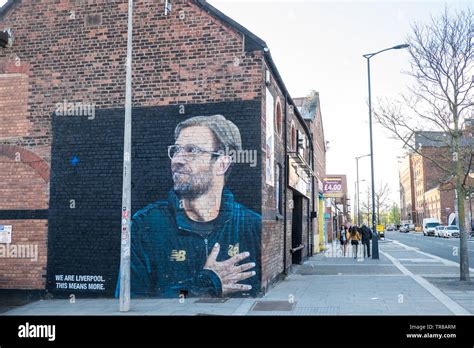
(420, 260)
(455, 308)
(445, 261)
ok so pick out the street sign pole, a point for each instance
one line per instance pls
(124, 298)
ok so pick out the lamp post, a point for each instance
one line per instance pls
(357, 171)
(375, 249)
(358, 200)
(124, 298)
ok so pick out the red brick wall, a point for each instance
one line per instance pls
(432, 174)
(187, 56)
(13, 105)
(272, 229)
(446, 201)
(25, 273)
(23, 187)
(24, 183)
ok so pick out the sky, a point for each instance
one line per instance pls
(319, 45)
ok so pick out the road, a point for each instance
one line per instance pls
(441, 247)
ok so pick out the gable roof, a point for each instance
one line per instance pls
(439, 139)
(252, 41)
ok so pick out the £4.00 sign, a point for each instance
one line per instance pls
(332, 187)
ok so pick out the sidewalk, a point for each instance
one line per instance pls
(404, 281)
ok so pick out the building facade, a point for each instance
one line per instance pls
(310, 108)
(440, 203)
(62, 93)
(426, 189)
(407, 190)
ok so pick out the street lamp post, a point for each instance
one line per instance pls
(358, 193)
(357, 171)
(375, 248)
(124, 298)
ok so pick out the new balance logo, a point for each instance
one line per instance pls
(178, 255)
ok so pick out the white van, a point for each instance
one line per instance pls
(429, 226)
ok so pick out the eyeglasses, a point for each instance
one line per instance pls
(189, 152)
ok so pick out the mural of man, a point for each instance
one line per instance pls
(198, 242)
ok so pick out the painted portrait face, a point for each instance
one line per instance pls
(193, 162)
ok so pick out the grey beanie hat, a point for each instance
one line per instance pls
(225, 131)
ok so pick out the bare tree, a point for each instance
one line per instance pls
(382, 202)
(442, 63)
(366, 207)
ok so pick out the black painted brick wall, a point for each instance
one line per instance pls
(86, 239)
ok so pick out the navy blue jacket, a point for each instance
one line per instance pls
(169, 250)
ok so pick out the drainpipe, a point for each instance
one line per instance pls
(312, 198)
(285, 185)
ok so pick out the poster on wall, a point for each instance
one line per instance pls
(270, 156)
(5, 234)
(196, 222)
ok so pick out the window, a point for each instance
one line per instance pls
(278, 118)
(293, 137)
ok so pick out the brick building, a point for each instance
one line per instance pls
(407, 188)
(439, 203)
(310, 108)
(62, 93)
(423, 184)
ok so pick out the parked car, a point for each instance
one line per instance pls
(439, 231)
(451, 231)
(405, 228)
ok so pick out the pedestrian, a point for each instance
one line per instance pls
(366, 237)
(355, 238)
(343, 239)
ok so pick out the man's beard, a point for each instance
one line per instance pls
(190, 186)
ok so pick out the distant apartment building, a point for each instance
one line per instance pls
(439, 203)
(407, 188)
(426, 190)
